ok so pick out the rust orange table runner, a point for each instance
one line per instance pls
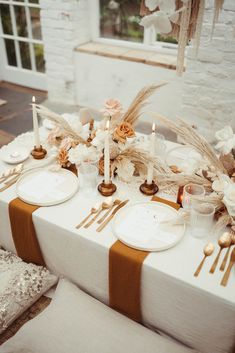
(125, 266)
(23, 231)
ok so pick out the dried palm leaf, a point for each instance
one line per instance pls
(60, 122)
(190, 137)
(222, 222)
(134, 111)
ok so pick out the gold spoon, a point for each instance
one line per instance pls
(227, 273)
(115, 203)
(208, 250)
(104, 206)
(223, 265)
(94, 210)
(224, 242)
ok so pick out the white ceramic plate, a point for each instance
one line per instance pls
(43, 187)
(185, 158)
(138, 226)
(13, 155)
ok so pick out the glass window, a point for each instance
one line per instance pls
(25, 55)
(6, 19)
(21, 23)
(34, 1)
(39, 57)
(35, 23)
(10, 51)
(119, 19)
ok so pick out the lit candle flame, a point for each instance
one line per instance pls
(33, 99)
(153, 127)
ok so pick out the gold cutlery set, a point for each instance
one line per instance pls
(226, 241)
(111, 207)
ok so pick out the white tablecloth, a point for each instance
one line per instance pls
(196, 311)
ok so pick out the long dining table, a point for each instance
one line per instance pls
(198, 312)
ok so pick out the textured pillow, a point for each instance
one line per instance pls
(21, 284)
(74, 322)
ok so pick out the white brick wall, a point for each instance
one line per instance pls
(64, 26)
(208, 99)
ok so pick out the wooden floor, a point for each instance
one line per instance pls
(15, 115)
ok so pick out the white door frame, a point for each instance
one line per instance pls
(17, 74)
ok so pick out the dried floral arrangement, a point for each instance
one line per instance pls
(180, 19)
(216, 172)
(80, 141)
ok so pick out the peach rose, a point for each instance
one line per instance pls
(112, 108)
(123, 131)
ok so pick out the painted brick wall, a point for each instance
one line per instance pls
(64, 26)
(208, 99)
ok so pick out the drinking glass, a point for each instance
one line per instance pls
(201, 219)
(190, 191)
(88, 175)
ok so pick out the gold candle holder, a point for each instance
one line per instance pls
(149, 189)
(38, 152)
(107, 189)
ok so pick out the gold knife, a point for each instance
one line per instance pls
(101, 227)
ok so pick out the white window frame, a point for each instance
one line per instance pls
(18, 74)
(149, 42)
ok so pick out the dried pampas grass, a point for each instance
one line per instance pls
(61, 123)
(134, 111)
(190, 137)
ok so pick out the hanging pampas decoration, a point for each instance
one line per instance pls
(183, 37)
(198, 31)
(218, 7)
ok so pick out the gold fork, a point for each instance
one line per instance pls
(116, 202)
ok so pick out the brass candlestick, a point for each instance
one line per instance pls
(107, 189)
(38, 152)
(149, 189)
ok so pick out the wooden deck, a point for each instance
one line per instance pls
(15, 115)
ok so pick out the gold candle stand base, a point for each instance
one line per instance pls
(149, 189)
(38, 152)
(107, 189)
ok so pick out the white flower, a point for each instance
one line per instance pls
(164, 5)
(125, 170)
(82, 153)
(229, 199)
(98, 141)
(226, 139)
(161, 20)
(220, 184)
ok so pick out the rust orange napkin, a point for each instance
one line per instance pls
(23, 232)
(125, 265)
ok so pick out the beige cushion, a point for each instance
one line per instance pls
(76, 323)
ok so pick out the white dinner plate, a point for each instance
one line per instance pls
(43, 187)
(139, 226)
(186, 158)
(13, 155)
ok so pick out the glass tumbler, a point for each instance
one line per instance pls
(190, 191)
(201, 219)
(88, 177)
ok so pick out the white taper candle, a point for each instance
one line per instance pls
(152, 154)
(35, 124)
(106, 155)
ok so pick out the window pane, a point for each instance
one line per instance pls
(39, 57)
(6, 19)
(166, 39)
(25, 56)
(21, 21)
(10, 50)
(120, 20)
(34, 1)
(35, 23)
